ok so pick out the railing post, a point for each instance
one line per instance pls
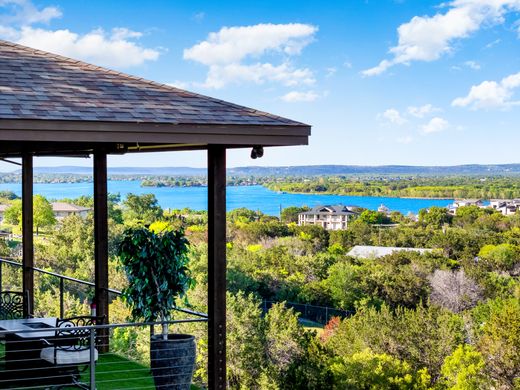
(92, 359)
(1, 263)
(62, 310)
(326, 314)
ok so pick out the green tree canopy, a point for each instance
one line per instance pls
(143, 208)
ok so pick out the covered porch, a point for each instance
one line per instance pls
(56, 106)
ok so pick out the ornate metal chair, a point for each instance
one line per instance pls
(11, 305)
(70, 348)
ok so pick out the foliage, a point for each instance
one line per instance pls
(43, 215)
(290, 214)
(144, 208)
(367, 370)
(454, 290)
(156, 267)
(502, 256)
(464, 370)
(499, 342)
(423, 337)
(434, 216)
(373, 217)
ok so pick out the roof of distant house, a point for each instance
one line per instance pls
(327, 209)
(372, 252)
(67, 207)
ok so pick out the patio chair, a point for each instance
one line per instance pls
(12, 305)
(69, 349)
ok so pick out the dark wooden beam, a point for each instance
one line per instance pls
(216, 267)
(27, 234)
(101, 241)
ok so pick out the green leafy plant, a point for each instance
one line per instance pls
(157, 272)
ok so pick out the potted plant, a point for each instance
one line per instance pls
(156, 268)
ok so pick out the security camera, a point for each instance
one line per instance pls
(257, 152)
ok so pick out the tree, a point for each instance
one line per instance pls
(502, 257)
(13, 214)
(245, 341)
(43, 213)
(157, 269)
(454, 290)
(435, 216)
(143, 208)
(367, 370)
(290, 214)
(499, 343)
(464, 370)
(373, 217)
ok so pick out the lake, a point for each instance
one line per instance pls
(251, 197)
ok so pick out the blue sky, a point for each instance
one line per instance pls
(380, 81)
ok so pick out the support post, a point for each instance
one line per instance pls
(27, 234)
(216, 267)
(101, 242)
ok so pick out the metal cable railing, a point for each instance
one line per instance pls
(319, 314)
(63, 278)
(26, 363)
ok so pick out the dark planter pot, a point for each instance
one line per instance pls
(172, 361)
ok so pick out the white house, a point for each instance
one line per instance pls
(505, 206)
(328, 217)
(60, 209)
(452, 209)
(373, 252)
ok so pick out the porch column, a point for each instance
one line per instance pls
(27, 234)
(101, 241)
(216, 267)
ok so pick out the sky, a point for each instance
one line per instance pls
(412, 82)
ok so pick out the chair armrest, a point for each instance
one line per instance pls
(46, 342)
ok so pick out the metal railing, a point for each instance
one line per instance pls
(26, 363)
(318, 314)
(63, 278)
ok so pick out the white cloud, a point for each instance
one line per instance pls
(23, 12)
(435, 125)
(99, 47)
(405, 140)
(472, 65)
(221, 75)
(199, 16)
(117, 48)
(393, 116)
(491, 44)
(491, 94)
(296, 96)
(179, 84)
(422, 111)
(232, 54)
(427, 38)
(331, 71)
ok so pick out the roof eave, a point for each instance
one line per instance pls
(153, 133)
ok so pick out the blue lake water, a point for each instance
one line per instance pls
(251, 197)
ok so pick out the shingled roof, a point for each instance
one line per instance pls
(46, 97)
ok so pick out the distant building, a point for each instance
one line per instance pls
(505, 206)
(383, 209)
(60, 209)
(328, 217)
(373, 252)
(452, 209)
